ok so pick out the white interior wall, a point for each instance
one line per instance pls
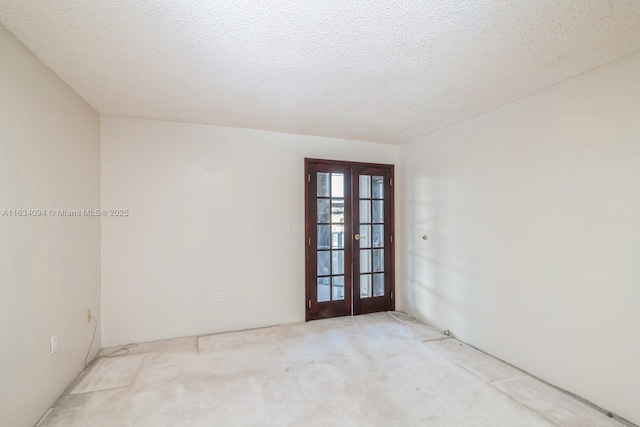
(207, 211)
(533, 217)
(49, 266)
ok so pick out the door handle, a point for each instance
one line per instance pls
(357, 237)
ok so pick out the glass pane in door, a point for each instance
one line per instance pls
(337, 264)
(365, 286)
(378, 285)
(324, 237)
(337, 185)
(378, 185)
(365, 186)
(365, 236)
(324, 213)
(378, 211)
(378, 260)
(338, 288)
(323, 185)
(324, 289)
(365, 261)
(324, 263)
(365, 211)
(378, 236)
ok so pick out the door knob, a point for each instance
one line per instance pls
(357, 237)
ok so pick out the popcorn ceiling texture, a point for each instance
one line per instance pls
(376, 71)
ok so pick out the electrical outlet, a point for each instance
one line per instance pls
(89, 315)
(218, 297)
(287, 227)
(53, 344)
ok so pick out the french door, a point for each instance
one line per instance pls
(349, 238)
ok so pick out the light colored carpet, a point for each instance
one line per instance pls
(354, 371)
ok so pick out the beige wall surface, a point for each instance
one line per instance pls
(207, 207)
(49, 266)
(533, 216)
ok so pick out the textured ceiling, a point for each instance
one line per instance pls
(382, 71)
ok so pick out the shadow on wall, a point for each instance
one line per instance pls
(432, 278)
(424, 297)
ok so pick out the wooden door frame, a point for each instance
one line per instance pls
(307, 247)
